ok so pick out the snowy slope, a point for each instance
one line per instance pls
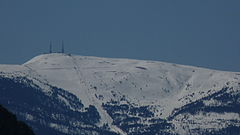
(143, 82)
(162, 87)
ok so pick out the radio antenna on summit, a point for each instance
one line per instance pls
(62, 46)
(50, 47)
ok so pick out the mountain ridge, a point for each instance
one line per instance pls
(142, 91)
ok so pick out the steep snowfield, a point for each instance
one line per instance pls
(95, 81)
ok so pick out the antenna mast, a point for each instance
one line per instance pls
(62, 46)
(50, 47)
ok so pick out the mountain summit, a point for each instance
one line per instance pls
(69, 94)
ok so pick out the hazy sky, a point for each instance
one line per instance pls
(202, 33)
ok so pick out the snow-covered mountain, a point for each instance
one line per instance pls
(69, 94)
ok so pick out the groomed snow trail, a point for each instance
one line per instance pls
(105, 118)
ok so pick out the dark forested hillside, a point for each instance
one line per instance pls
(9, 125)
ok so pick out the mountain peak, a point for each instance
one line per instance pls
(136, 88)
(44, 57)
(144, 82)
